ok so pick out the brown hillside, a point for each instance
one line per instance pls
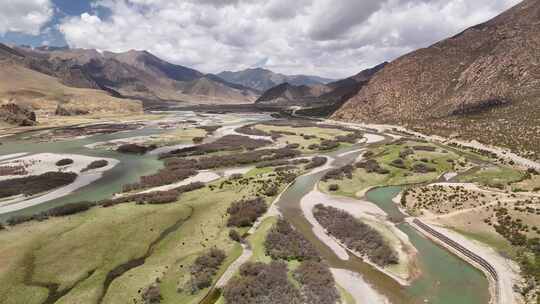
(483, 83)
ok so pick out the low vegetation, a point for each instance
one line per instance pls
(262, 283)
(32, 185)
(64, 162)
(97, 164)
(135, 148)
(356, 235)
(204, 269)
(225, 143)
(285, 243)
(245, 212)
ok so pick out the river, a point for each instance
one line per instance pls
(445, 278)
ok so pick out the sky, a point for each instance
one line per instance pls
(331, 38)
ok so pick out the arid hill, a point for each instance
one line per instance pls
(321, 99)
(483, 83)
(263, 79)
(24, 90)
(135, 74)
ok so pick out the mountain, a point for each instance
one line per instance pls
(483, 83)
(24, 89)
(320, 99)
(135, 74)
(262, 79)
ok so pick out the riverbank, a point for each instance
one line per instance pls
(41, 163)
(404, 272)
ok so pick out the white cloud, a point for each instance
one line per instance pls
(24, 16)
(328, 37)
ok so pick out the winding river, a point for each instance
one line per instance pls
(445, 278)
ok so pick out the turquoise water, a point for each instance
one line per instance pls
(445, 279)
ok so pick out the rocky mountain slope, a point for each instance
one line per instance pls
(483, 83)
(136, 74)
(263, 79)
(321, 97)
(24, 90)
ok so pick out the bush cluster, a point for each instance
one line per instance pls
(423, 168)
(371, 166)
(262, 283)
(155, 197)
(12, 170)
(152, 295)
(135, 149)
(356, 235)
(284, 242)
(96, 165)
(317, 283)
(64, 162)
(339, 173)
(35, 184)
(225, 143)
(164, 176)
(65, 210)
(245, 212)
(204, 269)
(316, 162)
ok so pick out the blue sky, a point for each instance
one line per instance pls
(50, 34)
(332, 38)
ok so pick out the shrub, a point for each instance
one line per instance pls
(316, 162)
(225, 143)
(398, 163)
(318, 285)
(333, 187)
(70, 209)
(262, 283)
(235, 236)
(356, 235)
(423, 168)
(371, 165)
(209, 129)
(32, 185)
(204, 269)
(284, 242)
(328, 145)
(249, 130)
(135, 149)
(198, 140)
(339, 173)
(64, 162)
(152, 295)
(405, 152)
(96, 165)
(245, 212)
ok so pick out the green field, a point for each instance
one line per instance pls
(496, 176)
(65, 250)
(318, 135)
(362, 180)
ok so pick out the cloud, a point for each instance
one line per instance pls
(24, 16)
(327, 37)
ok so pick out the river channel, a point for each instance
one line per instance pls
(445, 278)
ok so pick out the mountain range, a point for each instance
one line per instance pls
(483, 83)
(320, 99)
(262, 79)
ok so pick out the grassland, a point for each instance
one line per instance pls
(304, 136)
(361, 180)
(495, 176)
(65, 251)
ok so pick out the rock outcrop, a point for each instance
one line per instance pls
(17, 115)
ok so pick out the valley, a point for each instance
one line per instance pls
(184, 209)
(248, 152)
